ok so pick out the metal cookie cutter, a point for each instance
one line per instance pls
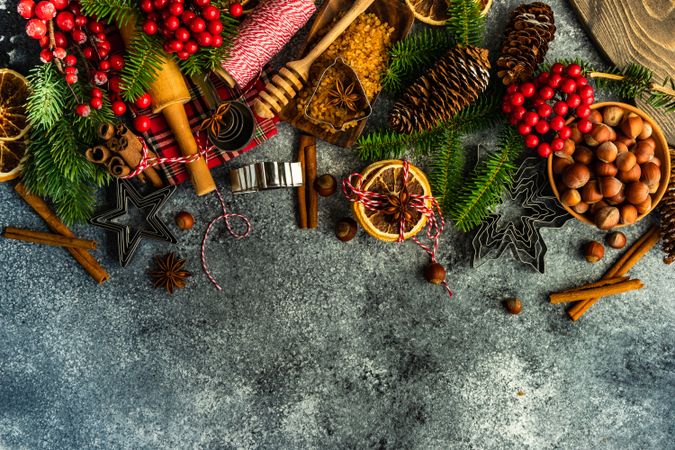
(266, 175)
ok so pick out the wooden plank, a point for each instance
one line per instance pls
(641, 31)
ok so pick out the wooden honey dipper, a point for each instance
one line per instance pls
(291, 78)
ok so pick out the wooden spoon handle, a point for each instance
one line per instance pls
(302, 65)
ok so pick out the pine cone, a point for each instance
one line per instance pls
(667, 211)
(525, 42)
(451, 84)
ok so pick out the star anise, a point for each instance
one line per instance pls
(341, 96)
(397, 207)
(169, 274)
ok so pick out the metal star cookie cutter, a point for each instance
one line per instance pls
(522, 237)
(266, 175)
(128, 237)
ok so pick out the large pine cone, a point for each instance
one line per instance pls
(525, 43)
(451, 84)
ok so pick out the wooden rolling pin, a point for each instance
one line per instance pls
(169, 93)
(291, 78)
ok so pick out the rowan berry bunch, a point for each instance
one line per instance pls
(540, 108)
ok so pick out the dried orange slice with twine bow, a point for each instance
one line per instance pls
(13, 123)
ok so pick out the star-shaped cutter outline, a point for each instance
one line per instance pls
(129, 238)
(523, 237)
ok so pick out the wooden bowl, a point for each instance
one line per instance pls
(661, 152)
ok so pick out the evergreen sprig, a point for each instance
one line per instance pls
(636, 80)
(478, 197)
(119, 12)
(447, 168)
(145, 58)
(46, 103)
(465, 22)
(663, 100)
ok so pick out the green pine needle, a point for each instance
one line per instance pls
(447, 169)
(115, 12)
(663, 100)
(46, 103)
(465, 23)
(637, 80)
(485, 188)
(143, 63)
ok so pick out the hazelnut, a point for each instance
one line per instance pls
(606, 152)
(595, 116)
(581, 208)
(513, 305)
(599, 133)
(603, 169)
(612, 115)
(650, 175)
(325, 185)
(434, 273)
(618, 199)
(620, 147)
(610, 186)
(625, 161)
(656, 160)
(616, 239)
(612, 133)
(345, 229)
(184, 220)
(571, 197)
(630, 175)
(590, 193)
(607, 217)
(650, 141)
(637, 192)
(595, 207)
(576, 176)
(568, 148)
(577, 136)
(646, 131)
(625, 140)
(594, 251)
(583, 155)
(644, 207)
(559, 164)
(632, 125)
(629, 214)
(643, 152)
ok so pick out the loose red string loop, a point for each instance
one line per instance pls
(148, 161)
(424, 204)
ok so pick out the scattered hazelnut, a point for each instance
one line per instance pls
(325, 185)
(612, 115)
(513, 305)
(590, 193)
(583, 155)
(606, 152)
(637, 192)
(643, 152)
(184, 220)
(616, 239)
(599, 133)
(651, 175)
(345, 229)
(581, 208)
(605, 169)
(595, 116)
(644, 207)
(646, 131)
(559, 164)
(571, 197)
(630, 175)
(607, 217)
(576, 176)
(594, 251)
(610, 186)
(632, 125)
(434, 273)
(625, 161)
(629, 214)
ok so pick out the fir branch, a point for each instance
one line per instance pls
(629, 82)
(447, 169)
(465, 23)
(484, 190)
(664, 100)
(409, 58)
(114, 12)
(46, 103)
(144, 61)
(482, 114)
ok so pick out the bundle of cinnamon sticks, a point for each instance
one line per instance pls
(61, 236)
(121, 153)
(308, 196)
(613, 282)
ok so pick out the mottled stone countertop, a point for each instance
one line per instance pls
(318, 344)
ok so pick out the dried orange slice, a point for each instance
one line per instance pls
(435, 12)
(13, 95)
(386, 177)
(12, 156)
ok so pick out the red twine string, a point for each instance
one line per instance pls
(374, 201)
(148, 161)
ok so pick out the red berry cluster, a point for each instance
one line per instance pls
(186, 26)
(540, 108)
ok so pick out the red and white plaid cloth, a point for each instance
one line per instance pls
(160, 139)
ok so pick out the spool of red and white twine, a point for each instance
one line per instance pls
(147, 161)
(268, 28)
(374, 201)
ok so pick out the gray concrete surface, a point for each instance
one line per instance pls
(318, 344)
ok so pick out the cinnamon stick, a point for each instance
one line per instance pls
(84, 258)
(620, 268)
(308, 143)
(602, 282)
(41, 237)
(601, 291)
(106, 131)
(117, 167)
(302, 191)
(127, 145)
(98, 154)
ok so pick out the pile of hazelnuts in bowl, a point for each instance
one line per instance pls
(614, 171)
